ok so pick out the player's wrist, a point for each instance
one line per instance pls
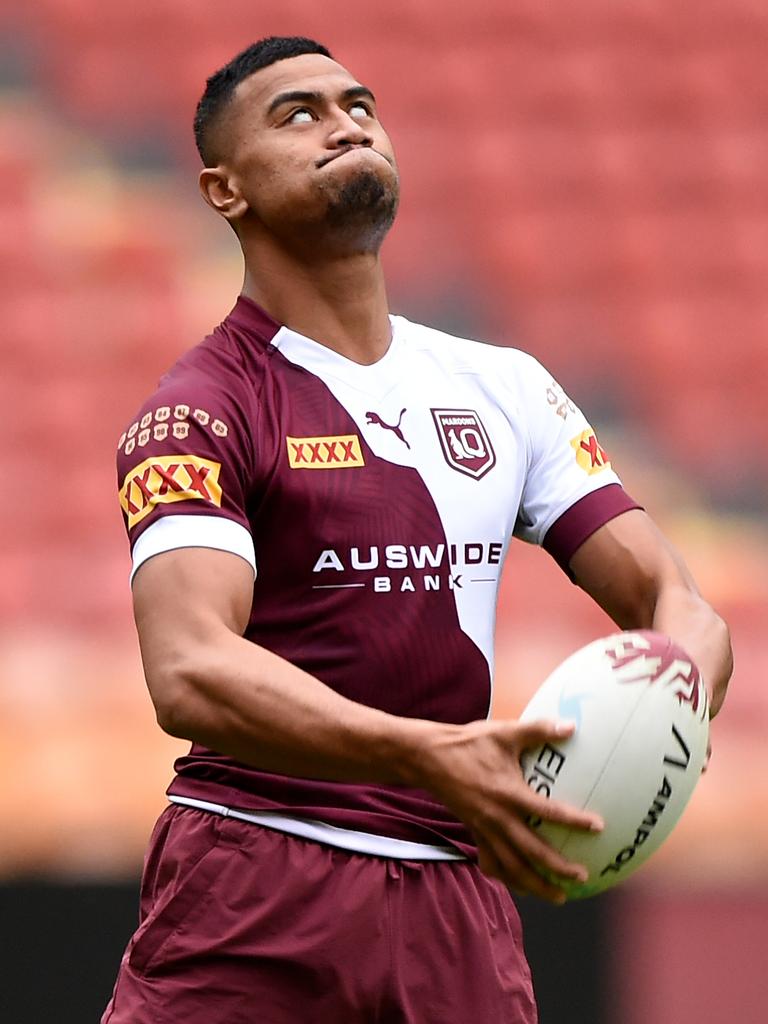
(410, 750)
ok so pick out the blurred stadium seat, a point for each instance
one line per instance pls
(596, 177)
(592, 177)
(588, 181)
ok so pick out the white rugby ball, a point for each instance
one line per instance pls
(642, 729)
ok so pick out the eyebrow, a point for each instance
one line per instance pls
(355, 92)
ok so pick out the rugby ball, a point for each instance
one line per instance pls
(642, 729)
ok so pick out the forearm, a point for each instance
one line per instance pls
(642, 582)
(678, 610)
(689, 620)
(239, 699)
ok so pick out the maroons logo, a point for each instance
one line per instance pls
(465, 442)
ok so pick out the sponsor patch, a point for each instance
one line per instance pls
(341, 451)
(163, 479)
(590, 455)
(464, 441)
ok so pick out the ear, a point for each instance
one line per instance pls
(220, 190)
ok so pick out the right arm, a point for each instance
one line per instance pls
(211, 686)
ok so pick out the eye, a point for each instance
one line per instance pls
(300, 116)
(359, 111)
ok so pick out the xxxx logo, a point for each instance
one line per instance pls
(339, 452)
(590, 455)
(167, 478)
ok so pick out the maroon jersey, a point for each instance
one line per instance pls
(375, 505)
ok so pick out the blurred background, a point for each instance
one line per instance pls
(586, 181)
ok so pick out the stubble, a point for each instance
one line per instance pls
(363, 210)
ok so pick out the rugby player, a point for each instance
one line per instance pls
(319, 499)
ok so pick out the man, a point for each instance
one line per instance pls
(319, 498)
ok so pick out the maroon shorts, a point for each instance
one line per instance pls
(245, 925)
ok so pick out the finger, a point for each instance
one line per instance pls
(520, 858)
(536, 806)
(535, 884)
(531, 734)
(489, 863)
(539, 852)
(518, 874)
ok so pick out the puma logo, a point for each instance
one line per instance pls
(373, 417)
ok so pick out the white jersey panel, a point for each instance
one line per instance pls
(567, 461)
(479, 425)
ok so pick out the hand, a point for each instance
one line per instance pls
(475, 770)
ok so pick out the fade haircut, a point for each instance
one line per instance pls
(221, 85)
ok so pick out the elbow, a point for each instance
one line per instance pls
(721, 636)
(171, 711)
(173, 720)
(176, 699)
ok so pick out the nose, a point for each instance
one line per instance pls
(348, 131)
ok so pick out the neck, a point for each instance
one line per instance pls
(339, 301)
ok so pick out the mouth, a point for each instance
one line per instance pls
(343, 152)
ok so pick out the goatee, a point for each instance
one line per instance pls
(364, 207)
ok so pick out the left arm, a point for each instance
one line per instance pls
(633, 572)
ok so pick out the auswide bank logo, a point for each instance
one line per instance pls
(465, 442)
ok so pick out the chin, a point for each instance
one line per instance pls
(363, 206)
(362, 190)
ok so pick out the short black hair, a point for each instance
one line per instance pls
(222, 83)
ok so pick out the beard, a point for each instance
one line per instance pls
(362, 210)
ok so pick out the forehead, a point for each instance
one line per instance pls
(311, 72)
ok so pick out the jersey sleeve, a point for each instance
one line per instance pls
(185, 468)
(571, 488)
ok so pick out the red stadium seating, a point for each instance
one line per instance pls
(596, 173)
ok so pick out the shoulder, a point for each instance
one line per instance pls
(219, 366)
(207, 401)
(467, 355)
(212, 386)
(509, 378)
